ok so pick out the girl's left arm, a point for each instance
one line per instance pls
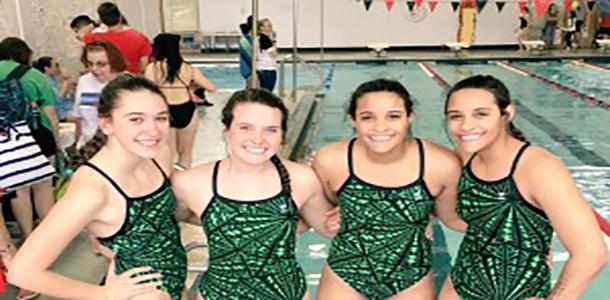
(574, 222)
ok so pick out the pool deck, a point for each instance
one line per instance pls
(434, 54)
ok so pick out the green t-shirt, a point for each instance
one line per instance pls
(35, 86)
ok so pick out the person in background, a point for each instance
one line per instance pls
(174, 76)
(524, 26)
(104, 63)
(15, 52)
(267, 57)
(82, 25)
(134, 45)
(550, 25)
(62, 85)
(570, 29)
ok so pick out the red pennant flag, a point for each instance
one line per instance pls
(432, 4)
(522, 5)
(418, 3)
(367, 4)
(567, 5)
(541, 6)
(389, 4)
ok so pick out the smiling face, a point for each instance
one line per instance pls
(139, 122)
(474, 119)
(255, 132)
(381, 120)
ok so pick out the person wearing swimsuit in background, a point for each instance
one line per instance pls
(387, 184)
(249, 204)
(524, 26)
(513, 195)
(174, 77)
(129, 206)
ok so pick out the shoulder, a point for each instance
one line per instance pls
(304, 173)
(329, 155)
(439, 157)
(536, 163)
(86, 183)
(192, 179)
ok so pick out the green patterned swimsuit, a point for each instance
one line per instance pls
(504, 253)
(149, 236)
(381, 248)
(252, 246)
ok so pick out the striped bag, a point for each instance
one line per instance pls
(21, 160)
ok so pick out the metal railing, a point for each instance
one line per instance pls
(299, 61)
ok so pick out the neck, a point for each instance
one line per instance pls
(117, 27)
(391, 156)
(123, 161)
(235, 166)
(498, 150)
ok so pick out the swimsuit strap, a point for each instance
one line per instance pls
(350, 148)
(215, 178)
(514, 166)
(105, 175)
(160, 169)
(284, 175)
(420, 148)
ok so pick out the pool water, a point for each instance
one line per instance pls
(565, 125)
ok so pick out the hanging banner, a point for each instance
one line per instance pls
(367, 4)
(410, 5)
(500, 5)
(480, 5)
(389, 4)
(468, 22)
(455, 4)
(541, 6)
(432, 4)
(591, 4)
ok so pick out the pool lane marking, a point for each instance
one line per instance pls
(568, 141)
(432, 74)
(557, 85)
(590, 65)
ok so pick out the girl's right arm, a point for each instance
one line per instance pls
(30, 266)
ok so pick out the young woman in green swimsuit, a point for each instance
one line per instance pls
(122, 196)
(513, 195)
(249, 204)
(387, 184)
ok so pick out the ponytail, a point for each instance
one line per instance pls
(88, 150)
(515, 132)
(284, 175)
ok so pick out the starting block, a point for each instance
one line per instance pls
(603, 44)
(457, 47)
(533, 46)
(378, 49)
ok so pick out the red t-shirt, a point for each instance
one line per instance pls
(132, 44)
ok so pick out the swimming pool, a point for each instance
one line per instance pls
(560, 122)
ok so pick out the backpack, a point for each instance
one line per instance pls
(15, 105)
